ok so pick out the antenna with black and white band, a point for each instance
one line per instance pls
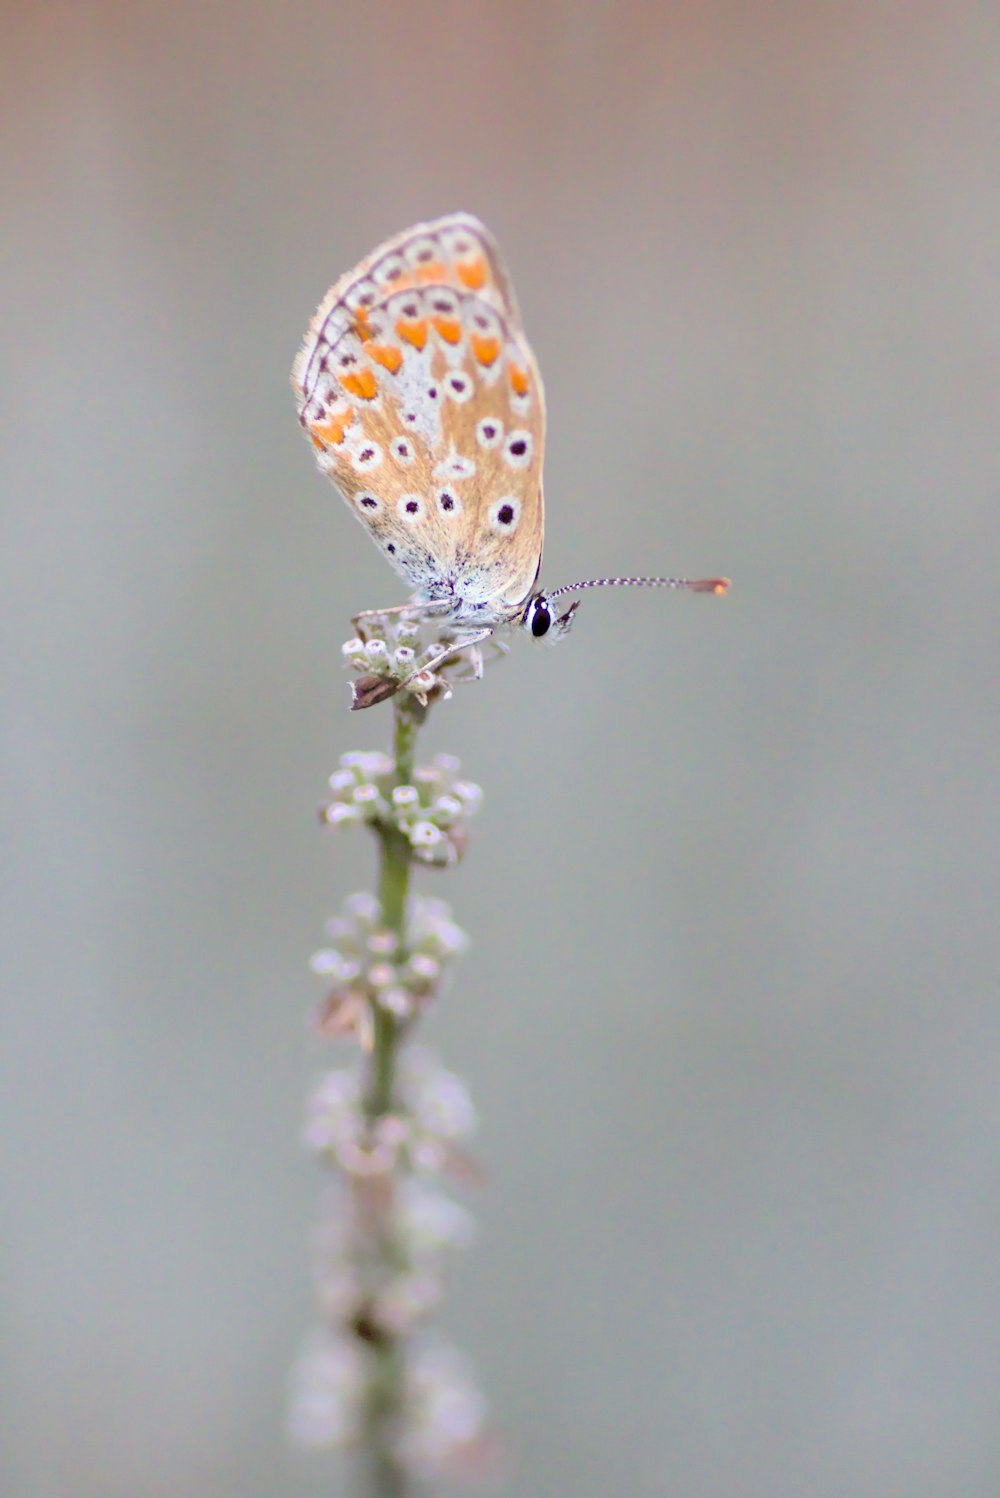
(537, 617)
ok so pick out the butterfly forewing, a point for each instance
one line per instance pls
(423, 401)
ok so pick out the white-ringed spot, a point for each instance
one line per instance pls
(421, 251)
(449, 503)
(390, 269)
(367, 457)
(364, 294)
(489, 432)
(504, 514)
(444, 303)
(455, 467)
(459, 387)
(411, 508)
(402, 450)
(517, 449)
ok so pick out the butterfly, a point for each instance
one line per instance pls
(422, 398)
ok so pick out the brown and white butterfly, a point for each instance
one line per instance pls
(422, 398)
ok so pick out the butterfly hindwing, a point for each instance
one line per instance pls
(423, 401)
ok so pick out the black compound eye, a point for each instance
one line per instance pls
(540, 620)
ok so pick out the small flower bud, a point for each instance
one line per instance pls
(425, 969)
(392, 1131)
(382, 943)
(337, 813)
(329, 1390)
(405, 796)
(469, 794)
(424, 835)
(331, 964)
(446, 938)
(377, 653)
(403, 658)
(353, 650)
(363, 908)
(397, 1001)
(368, 799)
(446, 811)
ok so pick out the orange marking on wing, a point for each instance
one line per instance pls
(414, 332)
(472, 273)
(361, 324)
(486, 350)
(387, 355)
(449, 327)
(518, 379)
(331, 431)
(361, 382)
(433, 271)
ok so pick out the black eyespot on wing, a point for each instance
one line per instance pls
(391, 549)
(505, 514)
(519, 448)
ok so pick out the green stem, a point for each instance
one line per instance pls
(387, 1478)
(393, 888)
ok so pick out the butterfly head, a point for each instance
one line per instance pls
(542, 620)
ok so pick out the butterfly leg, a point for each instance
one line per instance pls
(478, 662)
(422, 610)
(452, 649)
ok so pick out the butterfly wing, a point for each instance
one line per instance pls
(423, 401)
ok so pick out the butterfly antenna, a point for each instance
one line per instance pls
(717, 585)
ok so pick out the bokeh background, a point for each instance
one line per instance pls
(731, 1017)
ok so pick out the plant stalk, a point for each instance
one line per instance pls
(387, 1478)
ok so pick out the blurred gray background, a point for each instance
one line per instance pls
(731, 1014)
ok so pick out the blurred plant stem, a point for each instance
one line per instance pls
(376, 1378)
(393, 888)
(387, 1476)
